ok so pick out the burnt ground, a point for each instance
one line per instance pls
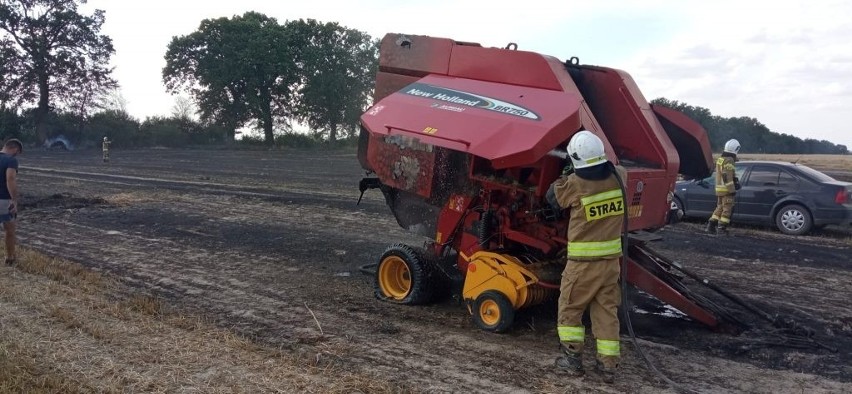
(257, 241)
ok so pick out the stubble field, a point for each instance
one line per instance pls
(237, 271)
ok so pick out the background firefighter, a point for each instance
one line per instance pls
(106, 149)
(727, 185)
(590, 280)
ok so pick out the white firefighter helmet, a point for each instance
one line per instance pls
(105, 138)
(732, 146)
(586, 150)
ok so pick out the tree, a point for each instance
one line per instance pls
(114, 100)
(10, 124)
(183, 109)
(55, 50)
(237, 69)
(338, 67)
(162, 131)
(13, 89)
(121, 128)
(753, 135)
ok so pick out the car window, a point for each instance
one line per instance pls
(739, 171)
(763, 176)
(816, 175)
(787, 181)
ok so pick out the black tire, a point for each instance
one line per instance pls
(793, 219)
(676, 212)
(489, 303)
(404, 276)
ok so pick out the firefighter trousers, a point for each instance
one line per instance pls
(724, 207)
(592, 285)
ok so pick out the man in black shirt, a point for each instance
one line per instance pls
(9, 193)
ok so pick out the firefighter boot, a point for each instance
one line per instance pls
(722, 230)
(711, 227)
(606, 366)
(571, 363)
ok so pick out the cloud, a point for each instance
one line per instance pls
(787, 63)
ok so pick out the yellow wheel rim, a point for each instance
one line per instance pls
(394, 277)
(489, 312)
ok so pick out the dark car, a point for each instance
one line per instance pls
(793, 197)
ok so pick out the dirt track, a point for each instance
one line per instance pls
(259, 240)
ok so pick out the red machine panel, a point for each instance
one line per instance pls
(509, 125)
(502, 65)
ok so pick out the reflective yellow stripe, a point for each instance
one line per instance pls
(601, 196)
(594, 249)
(714, 217)
(595, 159)
(571, 333)
(603, 205)
(720, 162)
(609, 348)
(724, 220)
(725, 187)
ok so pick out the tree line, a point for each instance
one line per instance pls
(754, 136)
(246, 71)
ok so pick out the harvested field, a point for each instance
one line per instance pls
(208, 266)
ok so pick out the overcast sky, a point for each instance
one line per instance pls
(786, 63)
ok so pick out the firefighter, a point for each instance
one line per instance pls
(595, 201)
(727, 185)
(106, 149)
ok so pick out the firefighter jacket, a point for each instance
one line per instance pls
(725, 176)
(596, 215)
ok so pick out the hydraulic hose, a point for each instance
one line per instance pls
(625, 307)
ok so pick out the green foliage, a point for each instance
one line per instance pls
(162, 131)
(51, 53)
(338, 67)
(250, 69)
(754, 136)
(237, 69)
(54, 123)
(297, 141)
(251, 141)
(11, 125)
(14, 89)
(121, 128)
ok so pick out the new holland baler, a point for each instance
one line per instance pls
(464, 142)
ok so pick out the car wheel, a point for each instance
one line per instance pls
(793, 219)
(676, 212)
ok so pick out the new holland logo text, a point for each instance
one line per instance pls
(468, 99)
